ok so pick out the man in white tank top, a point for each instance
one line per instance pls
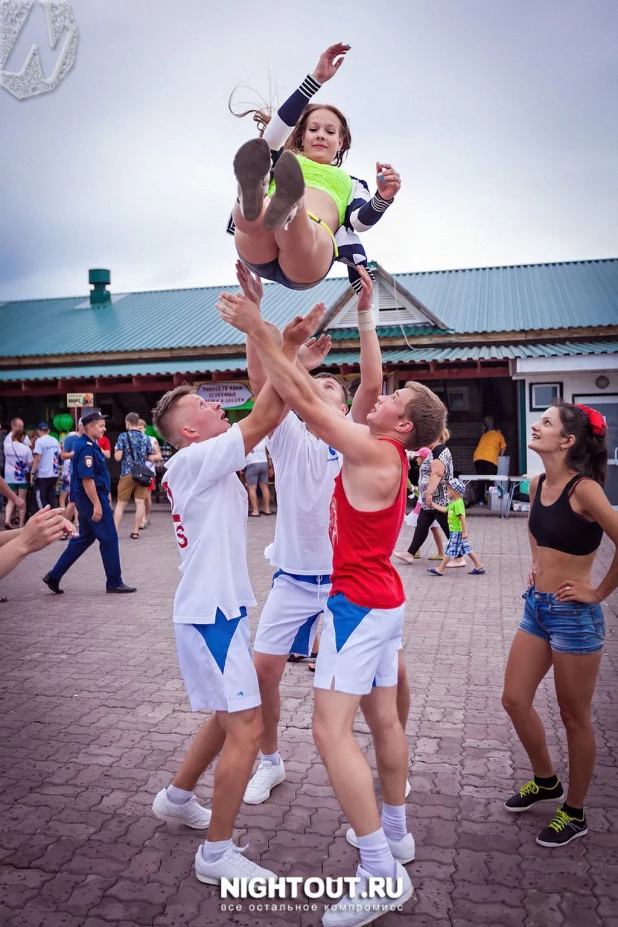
(209, 513)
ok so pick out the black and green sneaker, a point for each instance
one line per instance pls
(562, 829)
(531, 794)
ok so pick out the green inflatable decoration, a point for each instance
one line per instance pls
(57, 421)
(66, 421)
(55, 435)
(152, 432)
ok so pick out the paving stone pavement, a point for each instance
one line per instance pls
(95, 721)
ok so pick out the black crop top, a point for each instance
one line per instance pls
(558, 527)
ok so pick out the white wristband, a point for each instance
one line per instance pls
(366, 320)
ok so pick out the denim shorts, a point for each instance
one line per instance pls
(569, 627)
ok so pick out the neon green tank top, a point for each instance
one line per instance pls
(333, 180)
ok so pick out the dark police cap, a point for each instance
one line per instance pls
(90, 417)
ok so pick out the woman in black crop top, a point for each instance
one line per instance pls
(562, 624)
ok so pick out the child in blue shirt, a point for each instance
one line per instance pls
(458, 543)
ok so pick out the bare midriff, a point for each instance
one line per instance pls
(554, 567)
(322, 205)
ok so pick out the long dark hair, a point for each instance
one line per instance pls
(588, 455)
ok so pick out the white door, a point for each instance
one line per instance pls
(607, 405)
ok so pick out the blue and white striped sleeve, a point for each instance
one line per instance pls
(280, 126)
(364, 210)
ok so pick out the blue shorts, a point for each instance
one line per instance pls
(568, 627)
(457, 545)
(271, 270)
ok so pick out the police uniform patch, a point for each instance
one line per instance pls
(88, 461)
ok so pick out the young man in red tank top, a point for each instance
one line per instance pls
(357, 662)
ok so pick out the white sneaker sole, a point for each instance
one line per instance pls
(260, 801)
(394, 901)
(557, 846)
(541, 801)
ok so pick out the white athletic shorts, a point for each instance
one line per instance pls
(358, 647)
(289, 619)
(217, 664)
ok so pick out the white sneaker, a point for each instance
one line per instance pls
(190, 812)
(263, 781)
(231, 865)
(408, 788)
(403, 850)
(353, 912)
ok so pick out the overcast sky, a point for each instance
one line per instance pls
(501, 116)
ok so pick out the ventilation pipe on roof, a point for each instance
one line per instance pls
(100, 279)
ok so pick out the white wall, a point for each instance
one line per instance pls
(574, 383)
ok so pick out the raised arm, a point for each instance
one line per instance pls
(370, 354)
(293, 384)
(280, 126)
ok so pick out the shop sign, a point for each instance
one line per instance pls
(80, 400)
(229, 395)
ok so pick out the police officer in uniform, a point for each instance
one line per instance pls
(90, 485)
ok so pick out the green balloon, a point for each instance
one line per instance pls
(57, 421)
(66, 421)
(55, 435)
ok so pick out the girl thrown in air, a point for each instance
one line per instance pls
(297, 210)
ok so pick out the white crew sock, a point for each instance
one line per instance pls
(394, 821)
(375, 854)
(214, 850)
(273, 758)
(178, 796)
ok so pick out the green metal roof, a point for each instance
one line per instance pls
(237, 365)
(467, 352)
(492, 299)
(125, 369)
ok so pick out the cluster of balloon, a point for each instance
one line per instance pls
(55, 435)
(63, 421)
(152, 432)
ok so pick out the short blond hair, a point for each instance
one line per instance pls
(163, 413)
(427, 413)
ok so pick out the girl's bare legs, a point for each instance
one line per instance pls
(575, 677)
(304, 248)
(529, 661)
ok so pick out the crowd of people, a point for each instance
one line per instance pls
(342, 488)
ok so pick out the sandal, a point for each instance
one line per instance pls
(311, 667)
(254, 514)
(476, 572)
(296, 658)
(435, 572)
(3, 599)
(134, 535)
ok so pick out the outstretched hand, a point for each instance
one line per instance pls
(366, 294)
(388, 180)
(328, 66)
(312, 353)
(301, 328)
(45, 527)
(250, 284)
(239, 311)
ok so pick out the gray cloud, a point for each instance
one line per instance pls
(501, 117)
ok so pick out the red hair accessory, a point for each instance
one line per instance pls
(597, 422)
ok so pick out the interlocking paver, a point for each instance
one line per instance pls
(95, 721)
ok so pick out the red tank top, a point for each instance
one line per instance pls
(362, 546)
